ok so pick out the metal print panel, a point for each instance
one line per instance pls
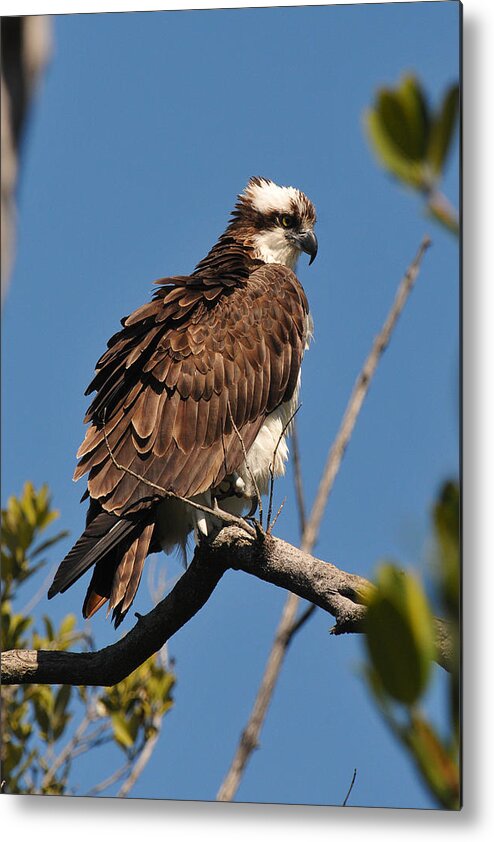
(258, 598)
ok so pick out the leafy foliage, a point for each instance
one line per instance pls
(23, 521)
(134, 704)
(412, 141)
(45, 728)
(399, 634)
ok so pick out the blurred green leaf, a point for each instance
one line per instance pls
(417, 118)
(446, 518)
(398, 126)
(412, 142)
(442, 129)
(394, 122)
(446, 515)
(23, 521)
(400, 634)
(49, 630)
(121, 730)
(439, 768)
(390, 155)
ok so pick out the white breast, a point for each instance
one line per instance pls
(269, 448)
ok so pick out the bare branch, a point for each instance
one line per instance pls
(288, 621)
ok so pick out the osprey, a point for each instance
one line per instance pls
(198, 382)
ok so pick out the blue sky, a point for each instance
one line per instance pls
(147, 127)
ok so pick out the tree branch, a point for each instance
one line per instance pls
(272, 560)
(110, 665)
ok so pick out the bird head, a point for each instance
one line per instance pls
(280, 221)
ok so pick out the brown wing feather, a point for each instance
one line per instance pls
(169, 379)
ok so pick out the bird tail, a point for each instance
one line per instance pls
(117, 547)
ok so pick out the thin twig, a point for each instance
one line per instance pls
(297, 478)
(441, 209)
(300, 621)
(250, 736)
(226, 517)
(347, 796)
(271, 466)
(278, 513)
(249, 470)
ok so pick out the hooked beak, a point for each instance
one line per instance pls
(307, 241)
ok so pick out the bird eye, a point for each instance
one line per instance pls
(286, 220)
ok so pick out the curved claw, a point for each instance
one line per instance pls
(253, 508)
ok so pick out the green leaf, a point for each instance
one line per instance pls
(67, 625)
(442, 130)
(398, 128)
(446, 516)
(400, 634)
(416, 117)
(28, 504)
(49, 630)
(390, 155)
(62, 699)
(121, 730)
(438, 766)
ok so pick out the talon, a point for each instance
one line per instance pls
(253, 507)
